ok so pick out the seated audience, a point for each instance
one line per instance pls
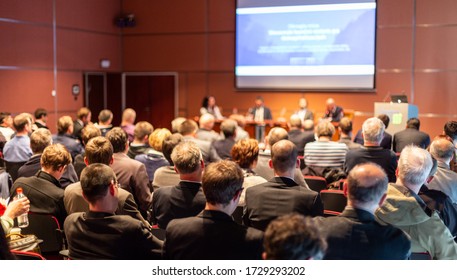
(213, 235)
(296, 134)
(245, 153)
(176, 123)
(345, 129)
(44, 190)
(83, 117)
(153, 159)
(280, 195)
(410, 135)
(140, 144)
(186, 199)
(241, 123)
(64, 136)
(99, 233)
(386, 142)
(188, 130)
(224, 146)
(166, 175)
(355, 234)
(128, 122)
(41, 117)
(404, 209)
(89, 131)
(293, 237)
(450, 129)
(206, 132)
(39, 140)
(6, 125)
(373, 130)
(105, 117)
(100, 150)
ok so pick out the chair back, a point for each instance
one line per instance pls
(238, 215)
(334, 202)
(12, 168)
(21, 255)
(47, 228)
(316, 183)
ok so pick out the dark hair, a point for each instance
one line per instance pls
(205, 102)
(345, 125)
(169, 143)
(40, 112)
(221, 181)
(385, 119)
(413, 123)
(450, 129)
(3, 116)
(118, 138)
(293, 237)
(95, 181)
(284, 155)
(105, 115)
(99, 150)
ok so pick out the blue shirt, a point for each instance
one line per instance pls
(17, 149)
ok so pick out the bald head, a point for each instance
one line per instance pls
(129, 116)
(442, 149)
(276, 134)
(330, 104)
(302, 103)
(367, 183)
(207, 121)
(284, 156)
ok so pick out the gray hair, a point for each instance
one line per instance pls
(186, 157)
(325, 128)
(228, 127)
(414, 165)
(442, 149)
(373, 130)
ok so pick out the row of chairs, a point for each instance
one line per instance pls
(334, 200)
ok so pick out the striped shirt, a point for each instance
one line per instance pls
(325, 154)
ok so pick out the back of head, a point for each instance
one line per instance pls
(295, 121)
(169, 143)
(156, 138)
(325, 128)
(207, 121)
(83, 112)
(385, 119)
(4, 116)
(129, 115)
(99, 150)
(90, 131)
(240, 119)
(105, 116)
(373, 130)
(63, 124)
(20, 121)
(95, 181)
(40, 139)
(176, 123)
(142, 129)
(450, 129)
(413, 123)
(414, 165)
(442, 149)
(186, 157)
(54, 157)
(228, 127)
(367, 183)
(277, 134)
(284, 156)
(293, 237)
(118, 138)
(245, 152)
(221, 181)
(205, 102)
(345, 125)
(188, 127)
(40, 112)
(308, 125)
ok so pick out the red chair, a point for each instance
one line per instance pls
(20, 255)
(334, 202)
(316, 183)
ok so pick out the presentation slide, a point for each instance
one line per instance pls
(308, 46)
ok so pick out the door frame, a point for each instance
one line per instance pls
(87, 89)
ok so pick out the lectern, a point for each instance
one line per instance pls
(399, 113)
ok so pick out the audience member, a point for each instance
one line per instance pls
(450, 129)
(206, 132)
(14, 209)
(280, 195)
(333, 113)
(293, 237)
(224, 146)
(166, 175)
(130, 173)
(345, 129)
(186, 199)
(83, 117)
(39, 140)
(386, 142)
(99, 233)
(140, 144)
(43, 189)
(153, 158)
(128, 122)
(176, 123)
(89, 131)
(373, 130)
(259, 112)
(64, 136)
(188, 129)
(355, 234)
(209, 107)
(410, 135)
(6, 125)
(245, 153)
(100, 150)
(41, 117)
(404, 209)
(105, 117)
(303, 112)
(296, 134)
(241, 122)
(213, 235)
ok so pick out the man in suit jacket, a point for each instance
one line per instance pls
(410, 135)
(188, 129)
(99, 233)
(386, 142)
(224, 146)
(130, 173)
(259, 112)
(186, 199)
(213, 235)
(304, 113)
(333, 112)
(296, 134)
(44, 190)
(100, 150)
(83, 118)
(206, 132)
(280, 195)
(66, 138)
(166, 175)
(355, 234)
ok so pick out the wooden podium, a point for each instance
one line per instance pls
(399, 114)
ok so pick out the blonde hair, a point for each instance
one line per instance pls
(156, 138)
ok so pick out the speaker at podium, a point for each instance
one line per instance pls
(399, 112)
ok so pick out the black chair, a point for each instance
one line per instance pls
(334, 202)
(238, 215)
(20, 255)
(47, 228)
(316, 183)
(12, 168)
